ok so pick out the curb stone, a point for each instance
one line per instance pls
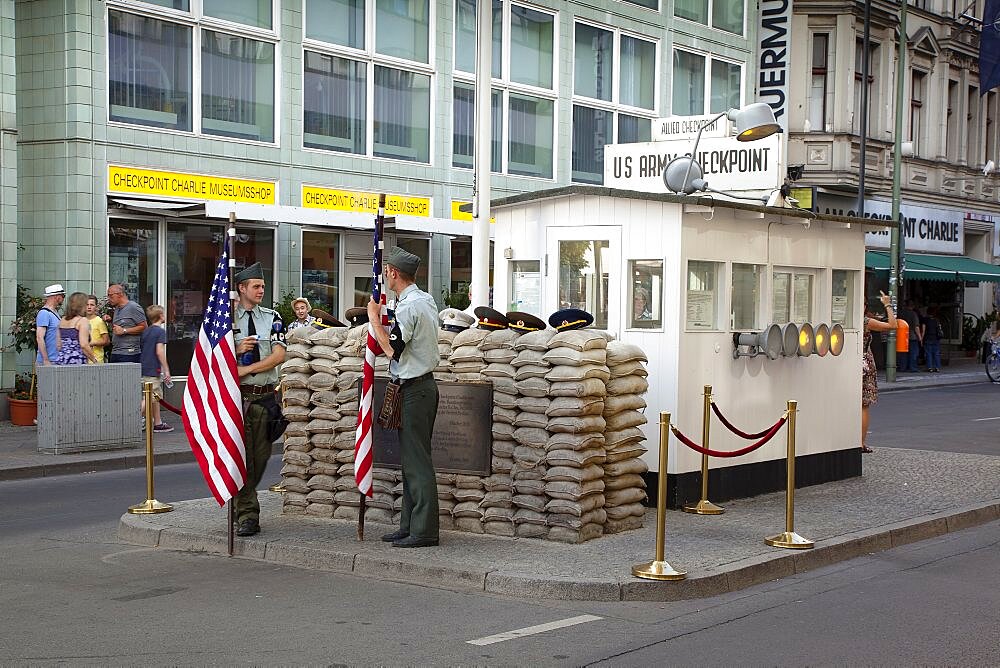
(735, 576)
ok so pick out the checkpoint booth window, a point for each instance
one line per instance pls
(744, 307)
(842, 284)
(645, 294)
(584, 277)
(321, 256)
(702, 304)
(792, 295)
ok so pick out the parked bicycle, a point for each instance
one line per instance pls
(993, 363)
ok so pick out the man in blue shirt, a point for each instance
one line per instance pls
(412, 347)
(47, 325)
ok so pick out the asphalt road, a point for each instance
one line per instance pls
(72, 595)
(964, 418)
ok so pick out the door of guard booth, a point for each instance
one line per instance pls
(583, 269)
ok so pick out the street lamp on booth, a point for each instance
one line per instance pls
(754, 121)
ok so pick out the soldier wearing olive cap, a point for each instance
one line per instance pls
(259, 351)
(411, 344)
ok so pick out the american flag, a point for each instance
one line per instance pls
(213, 411)
(363, 440)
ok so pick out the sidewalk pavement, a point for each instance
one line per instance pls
(959, 371)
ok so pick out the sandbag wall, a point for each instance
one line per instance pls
(566, 453)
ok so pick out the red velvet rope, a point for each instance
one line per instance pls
(732, 428)
(172, 409)
(735, 453)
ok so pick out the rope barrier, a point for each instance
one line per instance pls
(734, 429)
(169, 407)
(735, 453)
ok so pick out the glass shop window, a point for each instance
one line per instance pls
(646, 294)
(422, 249)
(702, 295)
(584, 276)
(745, 296)
(321, 270)
(132, 259)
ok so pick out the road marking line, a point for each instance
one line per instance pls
(532, 630)
(985, 419)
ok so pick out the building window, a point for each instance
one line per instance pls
(648, 4)
(422, 249)
(339, 113)
(340, 22)
(792, 297)
(952, 125)
(611, 72)
(584, 278)
(237, 86)
(818, 83)
(646, 294)
(702, 295)
(842, 298)
(402, 29)
(745, 306)
(632, 129)
(917, 93)
(524, 96)
(992, 137)
(133, 259)
(726, 14)
(692, 86)
(321, 270)
(972, 143)
(149, 71)
(151, 76)
(873, 119)
(335, 103)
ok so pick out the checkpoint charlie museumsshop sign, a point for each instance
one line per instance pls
(925, 228)
(181, 185)
(728, 164)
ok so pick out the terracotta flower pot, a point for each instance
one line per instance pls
(23, 412)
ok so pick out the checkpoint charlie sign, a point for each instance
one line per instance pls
(728, 164)
(925, 228)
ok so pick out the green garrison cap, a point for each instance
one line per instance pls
(253, 271)
(403, 260)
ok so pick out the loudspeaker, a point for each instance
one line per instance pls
(790, 340)
(822, 339)
(770, 342)
(836, 339)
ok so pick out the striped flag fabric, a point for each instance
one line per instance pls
(213, 409)
(363, 436)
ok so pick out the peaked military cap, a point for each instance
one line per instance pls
(251, 272)
(356, 315)
(453, 320)
(490, 318)
(325, 318)
(570, 318)
(524, 322)
(403, 260)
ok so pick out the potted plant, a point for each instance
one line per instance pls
(23, 398)
(972, 333)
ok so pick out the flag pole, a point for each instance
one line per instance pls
(230, 239)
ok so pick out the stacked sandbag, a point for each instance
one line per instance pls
(324, 418)
(625, 488)
(296, 406)
(466, 358)
(529, 422)
(443, 369)
(446, 500)
(496, 504)
(575, 450)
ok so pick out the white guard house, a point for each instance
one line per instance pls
(679, 276)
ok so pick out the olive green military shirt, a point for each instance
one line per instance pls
(263, 318)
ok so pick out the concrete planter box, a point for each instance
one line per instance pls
(89, 407)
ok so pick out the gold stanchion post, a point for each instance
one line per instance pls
(788, 538)
(150, 505)
(659, 569)
(704, 506)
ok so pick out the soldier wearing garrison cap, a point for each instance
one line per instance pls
(412, 347)
(259, 351)
(524, 322)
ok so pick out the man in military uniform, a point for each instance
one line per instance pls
(259, 351)
(412, 348)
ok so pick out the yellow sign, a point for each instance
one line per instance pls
(314, 197)
(804, 197)
(462, 215)
(137, 181)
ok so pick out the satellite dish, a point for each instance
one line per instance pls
(822, 339)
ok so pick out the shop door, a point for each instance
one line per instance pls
(583, 270)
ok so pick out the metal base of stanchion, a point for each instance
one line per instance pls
(790, 540)
(657, 570)
(704, 507)
(277, 487)
(150, 507)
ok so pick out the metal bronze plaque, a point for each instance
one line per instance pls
(463, 429)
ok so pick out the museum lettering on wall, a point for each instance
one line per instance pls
(775, 26)
(728, 164)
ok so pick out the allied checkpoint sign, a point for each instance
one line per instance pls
(728, 164)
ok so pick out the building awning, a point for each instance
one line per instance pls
(937, 267)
